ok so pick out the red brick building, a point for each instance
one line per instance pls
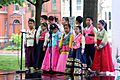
(53, 7)
(11, 19)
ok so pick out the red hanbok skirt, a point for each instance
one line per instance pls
(103, 59)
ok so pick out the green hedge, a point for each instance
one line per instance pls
(12, 48)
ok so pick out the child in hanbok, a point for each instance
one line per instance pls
(65, 45)
(41, 47)
(90, 41)
(52, 50)
(103, 55)
(77, 56)
(29, 45)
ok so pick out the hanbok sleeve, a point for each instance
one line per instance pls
(71, 40)
(46, 39)
(54, 34)
(104, 40)
(59, 35)
(60, 42)
(95, 33)
(83, 42)
(38, 34)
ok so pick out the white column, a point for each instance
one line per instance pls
(115, 28)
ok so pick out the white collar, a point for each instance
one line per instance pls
(66, 35)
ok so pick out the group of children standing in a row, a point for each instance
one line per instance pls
(70, 52)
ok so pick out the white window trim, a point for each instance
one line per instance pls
(15, 11)
(5, 11)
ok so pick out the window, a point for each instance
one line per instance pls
(5, 21)
(29, 6)
(16, 7)
(6, 27)
(16, 21)
(79, 5)
(105, 15)
(109, 24)
(78, 2)
(32, 13)
(109, 15)
(44, 8)
(53, 4)
(3, 9)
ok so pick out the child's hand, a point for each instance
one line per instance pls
(71, 49)
(48, 41)
(60, 49)
(82, 51)
(95, 45)
(44, 49)
(98, 48)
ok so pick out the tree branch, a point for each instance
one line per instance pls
(31, 2)
(0, 6)
(45, 1)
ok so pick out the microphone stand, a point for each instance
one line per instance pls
(21, 71)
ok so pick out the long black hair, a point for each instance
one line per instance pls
(56, 20)
(54, 26)
(45, 25)
(51, 18)
(80, 28)
(79, 19)
(44, 17)
(66, 19)
(90, 18)
(31, 20)
(104, 24)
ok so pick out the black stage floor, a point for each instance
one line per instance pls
(39, 76)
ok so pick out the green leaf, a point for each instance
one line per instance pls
(7, 2)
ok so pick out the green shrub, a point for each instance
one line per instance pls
(16, 39)
(15, 42)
